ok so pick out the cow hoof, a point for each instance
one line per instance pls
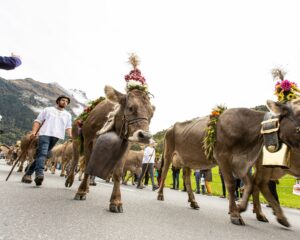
(80, 196)
(237, 221)
(160, 197)
(284, 222)
(20, 170)
(194, 205)
(120, 209)
(262, 218)
(93, 184)
(115, 209)
(69, 181)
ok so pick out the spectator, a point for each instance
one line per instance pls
(9, 63)
(200, 181)
(175, 174)
(273, 190)
(148, 162)
(208, 180)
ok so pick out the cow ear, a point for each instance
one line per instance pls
(113, 95)
(277, 108)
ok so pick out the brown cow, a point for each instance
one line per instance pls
(183, 148)
(238, 146)
(133, 164)
(262, 176)
(55, 156)
(131, 122)
(66, 157)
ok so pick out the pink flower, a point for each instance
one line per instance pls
(286, 85)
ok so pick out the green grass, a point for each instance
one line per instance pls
(284, 188)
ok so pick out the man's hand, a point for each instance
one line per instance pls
(15, 55)
(32, 135)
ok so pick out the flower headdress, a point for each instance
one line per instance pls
(134, 79)
(285, 90)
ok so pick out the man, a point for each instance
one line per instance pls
(9, 63)
(54, 122)
(148, 163)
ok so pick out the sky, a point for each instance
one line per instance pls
(194, 54)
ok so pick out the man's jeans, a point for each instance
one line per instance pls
(45, 145)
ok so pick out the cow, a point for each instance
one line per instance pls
(262, 176)
(55, 156)
(238, 146)
(133, 164)
(183, 149)
(131, 123)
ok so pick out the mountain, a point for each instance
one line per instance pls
(21, 100)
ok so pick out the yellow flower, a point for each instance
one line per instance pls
(290, 96)
(280, 97)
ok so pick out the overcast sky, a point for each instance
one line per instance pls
(194, 54)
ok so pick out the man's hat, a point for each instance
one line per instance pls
(63, 96)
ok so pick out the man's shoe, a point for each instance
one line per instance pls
(155, 187)
(26, 179)
(38, 180)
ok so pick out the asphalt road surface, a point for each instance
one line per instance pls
(49, 212)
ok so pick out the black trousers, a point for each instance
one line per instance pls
(144, 169)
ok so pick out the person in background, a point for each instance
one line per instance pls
(197, 178)
(11, 62)
(53, 122)
(148, 163)
(175, 175)
(273, 190)
(208, 180)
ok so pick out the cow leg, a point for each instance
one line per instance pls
(22, 160)
(191, 196)
(248, 187)
(274, 204)
(74, 161)
(165, 169)
(257, 206)
(92, 181)
(63, 169)
(235, 216)
(116, 205)
(79, 175)
(83, 188)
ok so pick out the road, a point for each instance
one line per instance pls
(49, 212)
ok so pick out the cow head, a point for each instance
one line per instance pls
(289, 117)
(133, 119)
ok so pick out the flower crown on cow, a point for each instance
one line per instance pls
(134, 79)
(285, 90)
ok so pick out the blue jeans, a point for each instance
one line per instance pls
(45, 144)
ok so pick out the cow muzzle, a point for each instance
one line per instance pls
(140, 136)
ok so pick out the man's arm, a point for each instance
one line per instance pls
(9, 63)
(69, 132)
(35, 127)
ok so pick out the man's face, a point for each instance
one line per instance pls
(63, 102)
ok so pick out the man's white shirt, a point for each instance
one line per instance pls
(149, 155)
(55, 122)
